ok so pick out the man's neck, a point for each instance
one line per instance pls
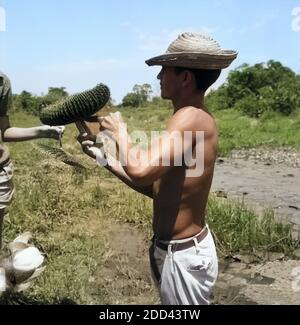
(196, 100)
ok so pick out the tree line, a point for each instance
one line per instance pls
(253, 90)
(32, 104)
(257, 89)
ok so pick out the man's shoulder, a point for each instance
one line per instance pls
(192, 118)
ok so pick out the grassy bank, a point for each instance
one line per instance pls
(236, 131)
(271, 131)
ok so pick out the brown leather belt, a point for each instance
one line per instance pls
(181, 246)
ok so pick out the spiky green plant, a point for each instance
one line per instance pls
(61, 155)
(77, 107)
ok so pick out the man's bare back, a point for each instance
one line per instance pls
(179, 202)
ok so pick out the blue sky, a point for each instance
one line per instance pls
(77, 44)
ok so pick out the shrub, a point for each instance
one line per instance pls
(256, 89)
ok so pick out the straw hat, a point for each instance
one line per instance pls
(195, 51)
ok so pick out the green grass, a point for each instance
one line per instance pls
(70, 213)
(236, 131)
(237, 229)
(270, 131)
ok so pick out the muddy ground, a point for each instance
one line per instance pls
(263, 180)
(128, 281)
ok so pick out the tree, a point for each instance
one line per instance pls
(33, 104)
(257, 89)
(140, 96)
(131, 100)
(26, 102)
(144, 92)
(55, 94)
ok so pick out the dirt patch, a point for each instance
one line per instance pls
(123, 274)
(262, 185)
(125, 271)
(271, 283)
(126, 275)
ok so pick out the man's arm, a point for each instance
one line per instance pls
(113, 165)
(144, 167)
(119, 171)
(15, 134)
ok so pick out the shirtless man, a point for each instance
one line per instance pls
(183, 254)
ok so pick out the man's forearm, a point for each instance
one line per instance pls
(117, 169)
(15, 134)
(137, 164)
(131, 162)
(132, 157)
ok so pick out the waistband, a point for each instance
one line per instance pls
(178, 246)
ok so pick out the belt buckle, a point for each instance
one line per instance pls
(173, 247)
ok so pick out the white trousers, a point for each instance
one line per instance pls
(6, 185)
(187, 277)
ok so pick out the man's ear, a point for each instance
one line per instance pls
(188, 78)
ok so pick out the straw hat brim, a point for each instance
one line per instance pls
(195, 60)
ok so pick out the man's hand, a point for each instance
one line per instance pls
(52, 132)
(113, 123)
(86, 144)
